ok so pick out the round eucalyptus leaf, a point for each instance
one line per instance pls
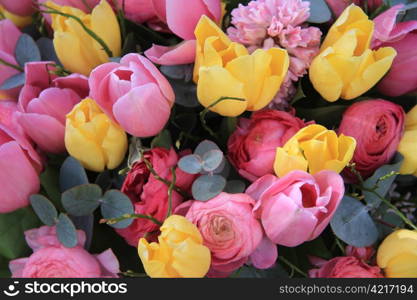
(71, 174)
(190, 164)
(26, 50)
(13, 81)
(212, 160)
(115, 204)
(44, 209)
(66, 231)
(81, 200)
(207, 187)
(204, 147)
(319, 12)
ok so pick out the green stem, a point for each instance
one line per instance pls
(86, 29)
(204, 112)
(170, 189)
(292, 266)
(130, 216)
(11, 65)
(339, 244)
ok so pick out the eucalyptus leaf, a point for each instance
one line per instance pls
(177, 72)
(319, 12)
(191, 164)
(47, 50)
(352, 223)
(207, 187)
(212, 160)
(26, 50)
(115, 204)
(185, 93)
(44, 209)
(71, 174)
(13, 82)
(86, 224)
(204, 147)
(81, 200)
(66, 231)
(235, 187)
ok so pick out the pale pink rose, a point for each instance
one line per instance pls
(9, 35)
(134, 94)
(20, 164)
(19, 7)
(44, 102)
(343, 267)
(297, 207)
(230, 231)
(50, 259)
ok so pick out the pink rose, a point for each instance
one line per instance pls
(45, 100)
(252, 147)
(20, 164)
(344, 267)
(20, 7)
(9, 35)
(50, 259)
(363, 253)
(377, 125)
(297, 207)
(149, 195)
(134, 94)
(230, 231)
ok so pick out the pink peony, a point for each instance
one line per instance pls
(134, 94)
(50, 259)
(278, 23)
(343, 267)
(9, 35)
(149, 195)
(44, 101)
(252, 146)
(20, 164)
(297, 207)
(230, 231)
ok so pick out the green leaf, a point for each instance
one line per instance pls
(13, 82)
(12, 228)
(71, 174)
(163, 140)
(352, 223)
(47, 50)
(115, 204)
(327, 116)
(207, 187)
(235, 187)
(26, 50)
(66, 231)
(50, 183)
(319, 12)
(185, 93)
(82, 200)
(383, 186)
(44, 209)
(190, 164)
(212, 160)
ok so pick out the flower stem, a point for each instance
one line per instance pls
(204, 112)
(292, 266)
(20, 69)
(130, 216)
(86, 29)
(170, 189)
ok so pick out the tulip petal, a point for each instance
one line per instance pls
(265, 255)
(191, 260)
(183, 53)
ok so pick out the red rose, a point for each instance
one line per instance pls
(344, 267)
(377, 125)
(252, 147)
(149, 195)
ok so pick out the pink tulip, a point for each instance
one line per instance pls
(9, 35)
(19, 7)
(181, 54)
(85, 6)
(45, 100)
(134, 94)
(20, 164)
(297, 207)
(401, 79)
(338, 6)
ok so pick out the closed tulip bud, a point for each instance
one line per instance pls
(346, 67)
(92, 138)
(234, 72)
(314, 148)
(397, 254)
(179, 252)
(78, 51)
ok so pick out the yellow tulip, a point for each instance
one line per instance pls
(92, 138)
(346, 67)
(314, 148)
(408, 144)
(226, 69)
(76, 49)
(19, 21)
(179, 253)
(397, 254)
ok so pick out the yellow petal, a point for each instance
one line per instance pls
(286, 162)
(114, 145)
(19, 21)
(177, 228)
(191, 260)
(407, 148)
(402, 266)
(396, 244)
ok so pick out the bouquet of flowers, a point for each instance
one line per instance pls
(208, 138)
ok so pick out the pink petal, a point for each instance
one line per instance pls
(76, 82)
(215, 9)
(181, 54)
(9, 35)
(20, 7)
(160, 9)
(16, 267)
(265, 255)
(38, 73)
(109, 264)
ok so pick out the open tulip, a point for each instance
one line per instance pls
(408, 144)
(78, 51)
(179, 252)
(346, 67)
(314, 148)
(20, 164)
(92, 138)
(255, 78)
(397, 254)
